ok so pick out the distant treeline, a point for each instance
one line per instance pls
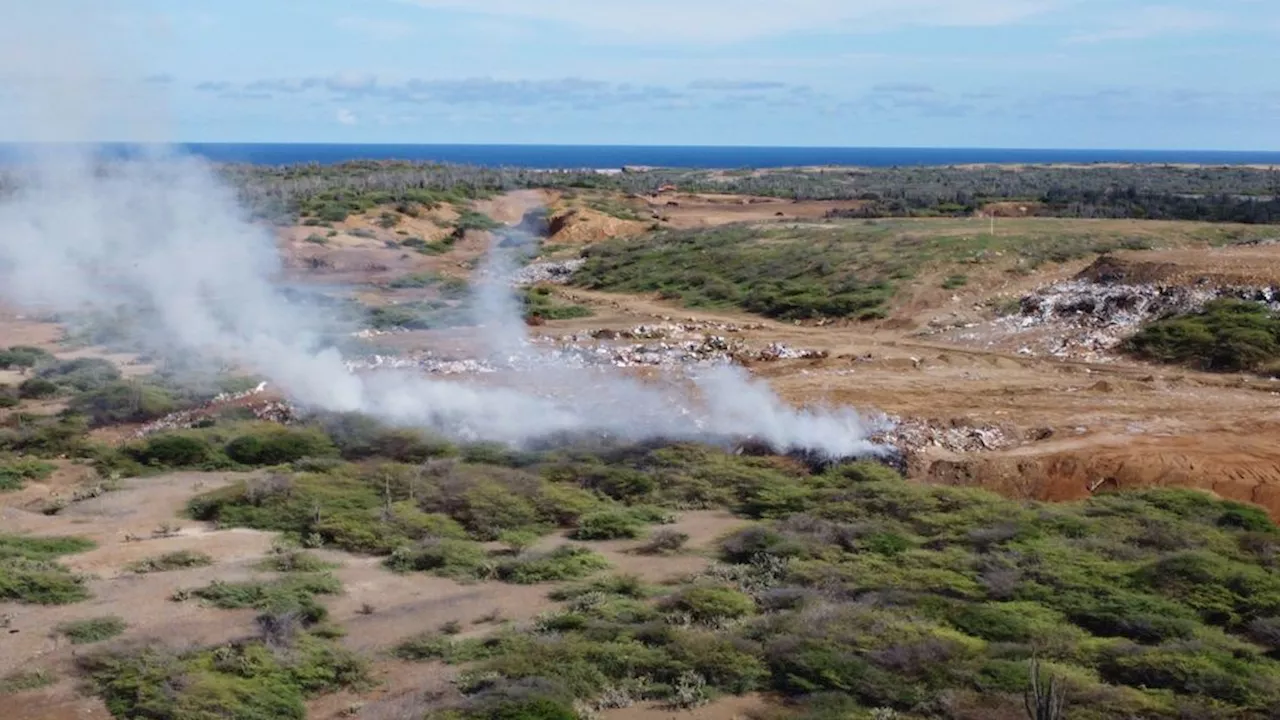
(1219, 194)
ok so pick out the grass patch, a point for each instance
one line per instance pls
(295, 594)
(841, 269)
(178, 560)
(267, 678)
(14, 474)
(296, 561)
(93, 630)
(541, 302)
(1226, 336)
(26, 681)
(30, 573)
(469, 219)
(564, 563)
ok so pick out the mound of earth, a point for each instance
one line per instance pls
(583, 226)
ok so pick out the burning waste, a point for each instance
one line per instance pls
(158, 236)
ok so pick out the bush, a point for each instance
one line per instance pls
(15, 473)
(173, 450)
(124, 402)
(664, 542)
(278, 445)
(295, 594)
(1226, 336)
(607, 525)
(23, 357)
(26, 681)
(458, 559)
(710, 604)
(30, 574)
(564, 563)
(84, 632)
(177, 560)
(37, 389)
(247, 680)
(81, 375)
(9, 397)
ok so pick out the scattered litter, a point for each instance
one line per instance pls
(554, 273)
(913, 435)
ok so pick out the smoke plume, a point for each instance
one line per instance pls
(158, 242)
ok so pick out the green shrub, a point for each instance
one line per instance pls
(123, 402)
(173, 450)
(14, 474)
(29, 572)
(278, 445)
(292, 594)
(458, 559)
(295, 561)
(710, 604)
(564, 563)
(9, 397)
(1226, 336)
(37, 389)
(84, 632)
(81, 375)
(177, 560)
(246, 680)
(607, 525)
(23, 357)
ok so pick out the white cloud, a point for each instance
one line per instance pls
(346, 117)
(725, 21)
(1152, 21)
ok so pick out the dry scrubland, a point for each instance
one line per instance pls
(1083, 509)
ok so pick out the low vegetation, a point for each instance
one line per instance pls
(926, 602)
(1226, 336)
(26, 681)
(267, 677)
(15, 473)
(293, 594)
(31, 574)
(329, 193)
(23, 357)
(93, 630)
(541, 303)
(177, 560)
(836, 270)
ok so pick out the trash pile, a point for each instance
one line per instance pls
(913, 435)
(554, 273)
(1085, 320)
(276, 411)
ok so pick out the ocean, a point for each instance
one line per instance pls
(616, 156)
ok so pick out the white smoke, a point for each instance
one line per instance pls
(159, 240)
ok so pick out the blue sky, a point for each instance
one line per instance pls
(993, 73)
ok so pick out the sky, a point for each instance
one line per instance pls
(1179, 74)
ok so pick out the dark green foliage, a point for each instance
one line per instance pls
(23, 357)
(295, 561)
(81, 375)
(710, 604)
(279, 445)
(469, 219)
(564, 563)
(541, 302)
(173, 450)
(37, 389)
(294, 594)
(761, 271)
(607, 525)
(242, 681)
(458, 559)
(14, 474)
(30, 573)
(93, 630)
(1227, 336)
(124, 402)
(9, 397)
(360, 437)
